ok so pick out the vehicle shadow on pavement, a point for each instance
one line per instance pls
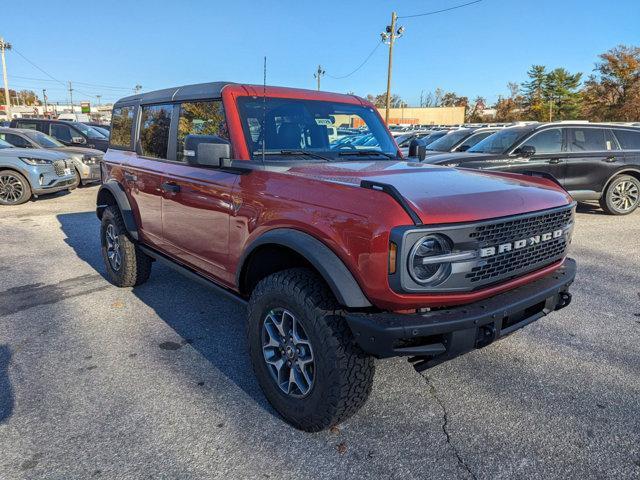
(209, 323)
(6, 392)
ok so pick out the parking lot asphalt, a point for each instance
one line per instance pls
(155, 382)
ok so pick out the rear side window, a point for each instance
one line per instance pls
(590, 140)
(30, 125)
(15, 140)
(154, 130)
(121, 127)
(629, 140)
(200, 118)
(547, 141)
(62, 132)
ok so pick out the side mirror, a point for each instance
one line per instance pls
(81, 140)
(207, 150)
(422, 152)
(463, 148)
(525, 151)
(413, 147)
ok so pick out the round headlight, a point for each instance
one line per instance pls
(421, 269)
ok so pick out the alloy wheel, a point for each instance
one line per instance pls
(288, 352)
(625, 195)
(11, 189)
(114, 253)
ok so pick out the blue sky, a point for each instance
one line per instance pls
(473, 51)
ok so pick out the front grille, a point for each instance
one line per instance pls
(512, 263)
(59, 166)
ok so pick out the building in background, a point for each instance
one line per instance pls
(425, 115)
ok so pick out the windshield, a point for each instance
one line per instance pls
(89, 131)
(310, 126)
(499, 142)
(43, 140)
(429, 139)
(445, 143)
(4, 144)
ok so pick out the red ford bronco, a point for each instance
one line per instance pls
(343, 251)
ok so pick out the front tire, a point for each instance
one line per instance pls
(622, 196)
(126, 264)
(14, 188)
(303, 353)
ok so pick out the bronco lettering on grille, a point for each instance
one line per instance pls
(507, 247)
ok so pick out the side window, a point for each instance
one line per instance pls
(121, 127)
(200, 118)
(589, 140)
(15, 140)
(473, 139)
(154, 130)
(547, 141)
(61, 132)
(629, 140)
(29, 125)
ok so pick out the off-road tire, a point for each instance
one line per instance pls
(135, 266)
(607, 199)
(26, 188)
(343, 372)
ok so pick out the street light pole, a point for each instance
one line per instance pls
(44, 97)
(7, 100)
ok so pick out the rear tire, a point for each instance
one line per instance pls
(126, 264)
(330, 377)
(622, 196)
(14, 188)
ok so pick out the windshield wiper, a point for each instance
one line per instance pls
(294, 153)
(366, 153)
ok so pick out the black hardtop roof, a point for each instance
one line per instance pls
(185, 92)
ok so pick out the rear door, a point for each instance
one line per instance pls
(593, 156)
(629, 141)
(197, 201)
(143, 173)
(550, 155)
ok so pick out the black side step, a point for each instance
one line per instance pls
(189, 273)
(395, 194)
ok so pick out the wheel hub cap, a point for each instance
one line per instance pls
(113, 247)
(288, 353)
(11, 188)
(625, 195)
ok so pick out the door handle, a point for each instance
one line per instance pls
(130, 177)
(554, 161)
(170, 187)
(610, 159)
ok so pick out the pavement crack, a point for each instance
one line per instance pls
(445, 424)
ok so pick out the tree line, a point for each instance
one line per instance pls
(610, 93)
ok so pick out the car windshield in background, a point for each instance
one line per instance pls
(499, 142)
(89, 131)
(445, 143)
(315, 129)
(4, 144)
(428, 140)
(43, 140)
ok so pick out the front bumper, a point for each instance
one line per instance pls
(440, 335)
(88, 173)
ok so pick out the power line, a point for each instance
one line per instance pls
(43, 71)
(110, 87)
(359, 66)
(440, 11)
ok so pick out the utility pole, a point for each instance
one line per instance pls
(389, 36)
(319, 73)
(137, 88)
(7, 100)
(44, 97)
(71, 96)
(550, 110)
(98, 97)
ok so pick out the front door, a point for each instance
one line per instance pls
(594, 155)
(197, 201)
(550, 155)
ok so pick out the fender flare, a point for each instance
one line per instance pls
(626, 169)
(117, 191)
(333, 270)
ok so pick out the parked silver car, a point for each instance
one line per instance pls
(27, 172)
(86, 161)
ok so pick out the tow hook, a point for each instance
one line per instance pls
(564, 299)
(486, 335)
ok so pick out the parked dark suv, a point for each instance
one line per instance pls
(71, 134)
(591, 161)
